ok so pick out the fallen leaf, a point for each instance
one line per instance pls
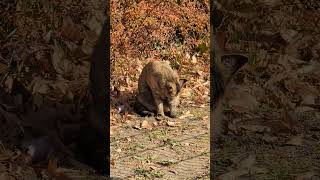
(289, 121)
(3, 68)
(233, 175)
(170, 123)
(9, 84)
(278, 77)
(112, 162)
(118, 150)
(60, 64)
(146, 125)
(94, 25)
(137, 126)
(187, 56)
(272, 3)
(6, 176)
(39, 85)
(186, 92)
(186, 114)
(308, 176)
(70, 30)
(47, 36)
(256, 128)
(296, 140)
(269, 139)
(247, 162)
(241, 100)
(155, 123)
(112, 131)
(288, 34)
(193, 59)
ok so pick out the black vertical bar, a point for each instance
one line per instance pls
(100, 89)
(213, 85)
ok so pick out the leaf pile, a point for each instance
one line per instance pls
(272, 102)
(44, 61)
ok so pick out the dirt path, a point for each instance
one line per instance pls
(171, 149)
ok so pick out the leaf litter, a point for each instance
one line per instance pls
(45, 48)
(272, 103)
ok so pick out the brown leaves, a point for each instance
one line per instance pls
(241, 100)
(311, 175)
(244, 166)
(146, 125)
(296, 141)
(59, 61)
(285, 123)
(70, 30)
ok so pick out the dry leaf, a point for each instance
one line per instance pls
(255, 128)
(118, 150)
(269, 139)
(296, 140)
(6, 176)
(39, 85)
(112, 162)
(247, 162)
(47, 36)
(9, 84)
(137, 126)
(289, 121)
(186, 114)
(193, 59)
(3, 68)
(87, 47)
(57, 56)
(233, 175)
(288, 35)
(170, 123)
(70, 30)
(186, 92)
(94, 25)
(271, 3)
(245, 166)
(146, 125)
(308, 176)
(187, 56)
(278, 77)
(241, 100)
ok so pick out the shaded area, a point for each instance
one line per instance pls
(270, 107)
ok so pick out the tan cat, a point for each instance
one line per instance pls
(159, 89)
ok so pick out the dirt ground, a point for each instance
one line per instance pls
(144, 148)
